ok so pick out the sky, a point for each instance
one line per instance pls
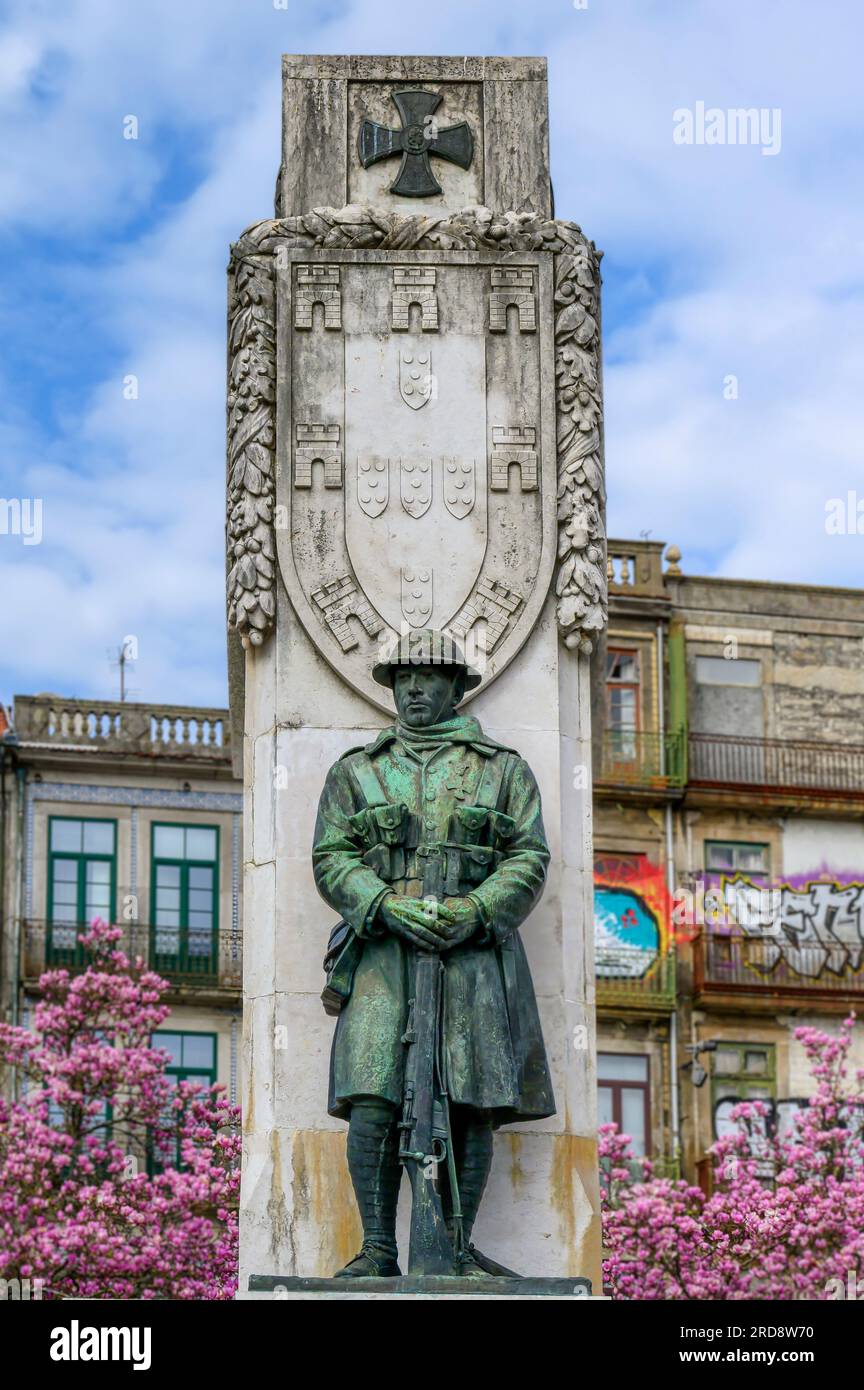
(732, 300)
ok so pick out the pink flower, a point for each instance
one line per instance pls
(784, 1219)
(69, 1213)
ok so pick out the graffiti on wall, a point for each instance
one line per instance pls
(630, 916)
(812, 926)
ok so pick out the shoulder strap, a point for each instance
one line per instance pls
(489, 790)
(367, 780)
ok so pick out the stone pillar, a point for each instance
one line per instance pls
(336, 547)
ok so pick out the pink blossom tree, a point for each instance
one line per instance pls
(78, 1208)
(786, 1216)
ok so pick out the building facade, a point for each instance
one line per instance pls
(130, 813)
(728, 836)
(729, 845)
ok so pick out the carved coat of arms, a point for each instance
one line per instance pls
(416, 443)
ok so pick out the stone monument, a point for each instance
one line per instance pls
(414, 442)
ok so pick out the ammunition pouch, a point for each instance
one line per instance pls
(477, 863)
(383, 830)
(503, 828)
(391, 823)
(384, 825)
(387, 861)
(470, 822)
(474, 848)
(475, 825)
(344, 950)
(450, 870)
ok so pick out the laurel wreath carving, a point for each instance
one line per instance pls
(580, 582)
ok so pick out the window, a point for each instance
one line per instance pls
(81, 882)
(614, 865)
(184, 888)
(623, 1096)
(737, 857)
(192, 1058)
(720, 670)
(622, 701)
(740, 1071)
(96, 1126)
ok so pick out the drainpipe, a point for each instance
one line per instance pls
(10, 878)
(2, 865)
(661, 708)
(21, 787)
(670, 888)
(673, 1021)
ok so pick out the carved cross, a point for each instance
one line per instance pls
(419, 138)
(456, 781)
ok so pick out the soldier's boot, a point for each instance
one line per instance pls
(473, 1162)
(373, 1162)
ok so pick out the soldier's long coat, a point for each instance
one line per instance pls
(493, 1052)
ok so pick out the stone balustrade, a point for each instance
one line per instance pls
(635, 568)
(185, 731)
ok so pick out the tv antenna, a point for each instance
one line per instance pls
(124, 659)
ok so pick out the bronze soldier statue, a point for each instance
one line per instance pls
(430, 840)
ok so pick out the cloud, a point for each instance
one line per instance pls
(719, 263)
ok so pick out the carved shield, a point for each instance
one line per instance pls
(458, 475)
(415, 485)
(420, 532)
(373, 484)
(417, 596)
(467, 545)
(415, 373)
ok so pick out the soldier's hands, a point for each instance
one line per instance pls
(428, 924)
(464, 921)
(421, 922)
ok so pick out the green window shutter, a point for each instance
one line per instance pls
(184, 900)
(677, 705)
(82, 883)
(192, 1058)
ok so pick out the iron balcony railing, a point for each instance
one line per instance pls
(796, 764)
(624, 980)
(641, 758)
(730, 961)
(176, 955)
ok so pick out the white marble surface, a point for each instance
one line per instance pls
(539, 1215)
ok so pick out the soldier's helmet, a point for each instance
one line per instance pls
(425, 647)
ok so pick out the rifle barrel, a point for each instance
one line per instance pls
(421, 1148)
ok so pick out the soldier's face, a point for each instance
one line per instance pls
(426, 695)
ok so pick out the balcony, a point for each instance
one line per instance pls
(216, 964)
(769, 968)
(641, 759)
(622, 988)
(180, 732)
(634, 569)
(777, 765)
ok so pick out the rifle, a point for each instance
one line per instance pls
(425, 1135)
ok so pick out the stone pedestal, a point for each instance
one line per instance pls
(302, 693)
(540, 1212)
(325, 100)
